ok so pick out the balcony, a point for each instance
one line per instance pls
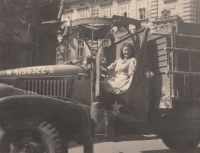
(168, 1)
(70, 1)
(170, 19)
(105, 2)
(122, 0)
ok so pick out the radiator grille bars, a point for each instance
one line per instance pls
(47, 87)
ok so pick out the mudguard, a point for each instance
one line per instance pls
(8, 90)
(70, 118)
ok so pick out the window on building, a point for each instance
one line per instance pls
(124, 10)
(95, 12)
(81, 48)
(105, 12)
(141, 9)
(82, 14)
(142, 13)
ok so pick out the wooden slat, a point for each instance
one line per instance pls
(160, 49)
(160, 70)
(187, 87)
(158, 59)
(192, 39)
(195, 59)
(183, 63)
(188, 28)
(180, 84)
(160, 64)
(159, 53)
(186, 44)
(183, 66)
(183, 73)
(196, 70)
(196, 66)
(157, 46)
(163, 34)
(196, 55)
(157, 40)
(182, 56)
(196, 63)
(174, 63)
(182, 50)
(186, 100)
(195, 86)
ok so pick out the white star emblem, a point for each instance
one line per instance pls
(116, 107)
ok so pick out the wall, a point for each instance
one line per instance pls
(190, 13)
(186, 9)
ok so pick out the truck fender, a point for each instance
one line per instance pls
(8, 90)
(70, 118)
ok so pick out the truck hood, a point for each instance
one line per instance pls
(39, 71)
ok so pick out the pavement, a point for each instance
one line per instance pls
(141, 146)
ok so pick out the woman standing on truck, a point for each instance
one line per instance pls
(122, 70)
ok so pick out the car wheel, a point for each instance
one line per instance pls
(181, 143)
(41, 138)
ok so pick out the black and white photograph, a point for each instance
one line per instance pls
(99, 76)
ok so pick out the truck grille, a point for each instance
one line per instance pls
(54, 88)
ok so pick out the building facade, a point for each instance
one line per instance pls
(152, 13)
(187, 10)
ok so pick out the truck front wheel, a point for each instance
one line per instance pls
(42, 138)
(181, 144)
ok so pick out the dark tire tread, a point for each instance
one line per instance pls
(55, 136)
(37, 128)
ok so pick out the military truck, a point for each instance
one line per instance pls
(43, 108)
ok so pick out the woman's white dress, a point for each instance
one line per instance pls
(120, 73)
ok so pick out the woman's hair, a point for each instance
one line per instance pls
(125, 44)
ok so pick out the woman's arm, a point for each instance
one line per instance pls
(107, 70)
(132, 66)
(112, 65)
(111, 69)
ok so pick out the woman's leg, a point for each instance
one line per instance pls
(107, 98)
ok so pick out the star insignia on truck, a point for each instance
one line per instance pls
(116, 107)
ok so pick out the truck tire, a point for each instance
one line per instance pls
(180, 143)
(42, 138)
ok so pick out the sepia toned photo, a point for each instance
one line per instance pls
(99, 76)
